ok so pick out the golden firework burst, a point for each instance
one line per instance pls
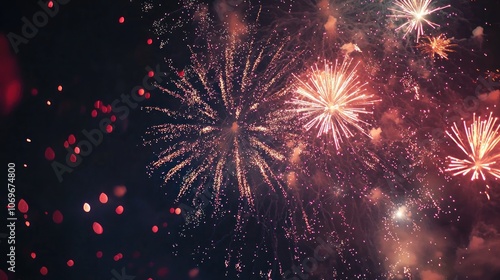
(436, 46)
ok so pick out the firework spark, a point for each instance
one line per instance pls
(437, 46)
(230, 126)
(332, 100)
(415, 11)
(480, 144)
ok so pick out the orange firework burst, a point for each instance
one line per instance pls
(436, 46)
(480, 144)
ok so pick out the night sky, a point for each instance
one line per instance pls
(85, 49)
(89, 55)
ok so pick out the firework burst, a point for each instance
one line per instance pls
(436, 46)
(229, 125)
(332, 100)
(480, 144)
(415, 12)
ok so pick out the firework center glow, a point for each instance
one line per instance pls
(333, 108)
(234, 127)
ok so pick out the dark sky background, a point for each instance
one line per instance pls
(85, 49)
(95, 58)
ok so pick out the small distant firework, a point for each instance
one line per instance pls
(229, 126)
(436, 46)
(481, 145)
(332, 99)
(415, 11)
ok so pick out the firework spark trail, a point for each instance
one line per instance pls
(332, 100)
(415, 11)
(480, 145)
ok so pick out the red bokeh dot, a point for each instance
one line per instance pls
(148, 95)
(70, 263)
(33, 255)
(104, 109)
(113, 118)
(120, 191)
(97, 104)
(59, 88)
(119, 210)
(3, 276)
(178, 211)
(181, 73)
(172, 210)
(194, 272)
(103, 198)
(57, 217)
(98, 254)
(71, 139)
(66, 144)
(50, 154)
(22, 206)
(72, 158)
(151, 74)
(150, 41)
(44, 270)
(50, 4)
(97, 228)
(109, 128)
(94, 113)
(118, 257)
(77, 150)
(121, 20)
(140, 92)
(154, 229)
(162, 272)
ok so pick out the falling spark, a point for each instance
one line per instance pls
(332, 100)
(436, 46)
(480, 144)
(415, 11)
